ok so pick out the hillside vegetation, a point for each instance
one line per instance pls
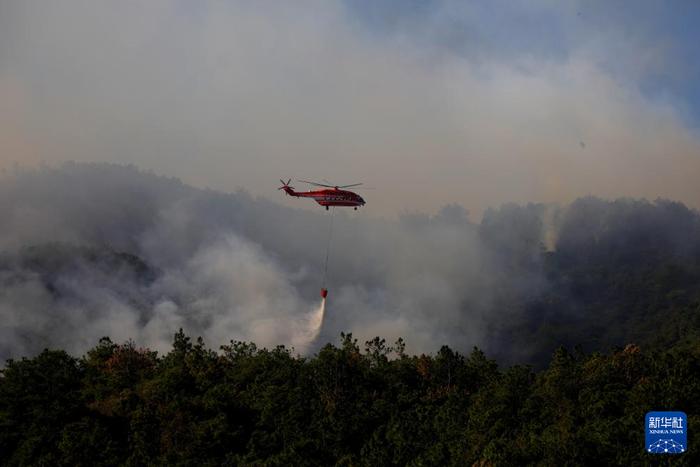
(120, 404)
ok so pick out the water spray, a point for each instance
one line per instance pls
(309, 327)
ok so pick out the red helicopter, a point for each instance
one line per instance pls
(331, 196)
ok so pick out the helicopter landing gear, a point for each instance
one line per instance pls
(326, 208)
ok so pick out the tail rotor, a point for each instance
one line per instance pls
(285, 185)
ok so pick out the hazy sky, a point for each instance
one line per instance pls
(431, 102)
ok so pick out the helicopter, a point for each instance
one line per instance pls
(328, 195)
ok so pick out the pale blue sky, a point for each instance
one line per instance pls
(556, 30)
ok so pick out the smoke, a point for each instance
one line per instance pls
(435, 104)
(95, 249)
(92, 250)
(471, 101)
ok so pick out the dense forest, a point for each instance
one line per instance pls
(624, 271)
(376, 405)
(546, 333)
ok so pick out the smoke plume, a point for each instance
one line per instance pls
(473, 101)
(92, 250)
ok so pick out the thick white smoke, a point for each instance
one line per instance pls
(228, 266)
(436, 108)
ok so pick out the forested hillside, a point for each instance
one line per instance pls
(78, 263)
(347, 405)
(357, 233)
(619, 272)
(586, 316)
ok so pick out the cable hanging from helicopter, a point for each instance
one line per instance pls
(324, 290)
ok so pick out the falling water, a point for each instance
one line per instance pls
(308, 328)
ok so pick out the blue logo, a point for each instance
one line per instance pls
(666, 432)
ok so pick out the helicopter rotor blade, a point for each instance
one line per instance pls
(328, 185)
(316, 184)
